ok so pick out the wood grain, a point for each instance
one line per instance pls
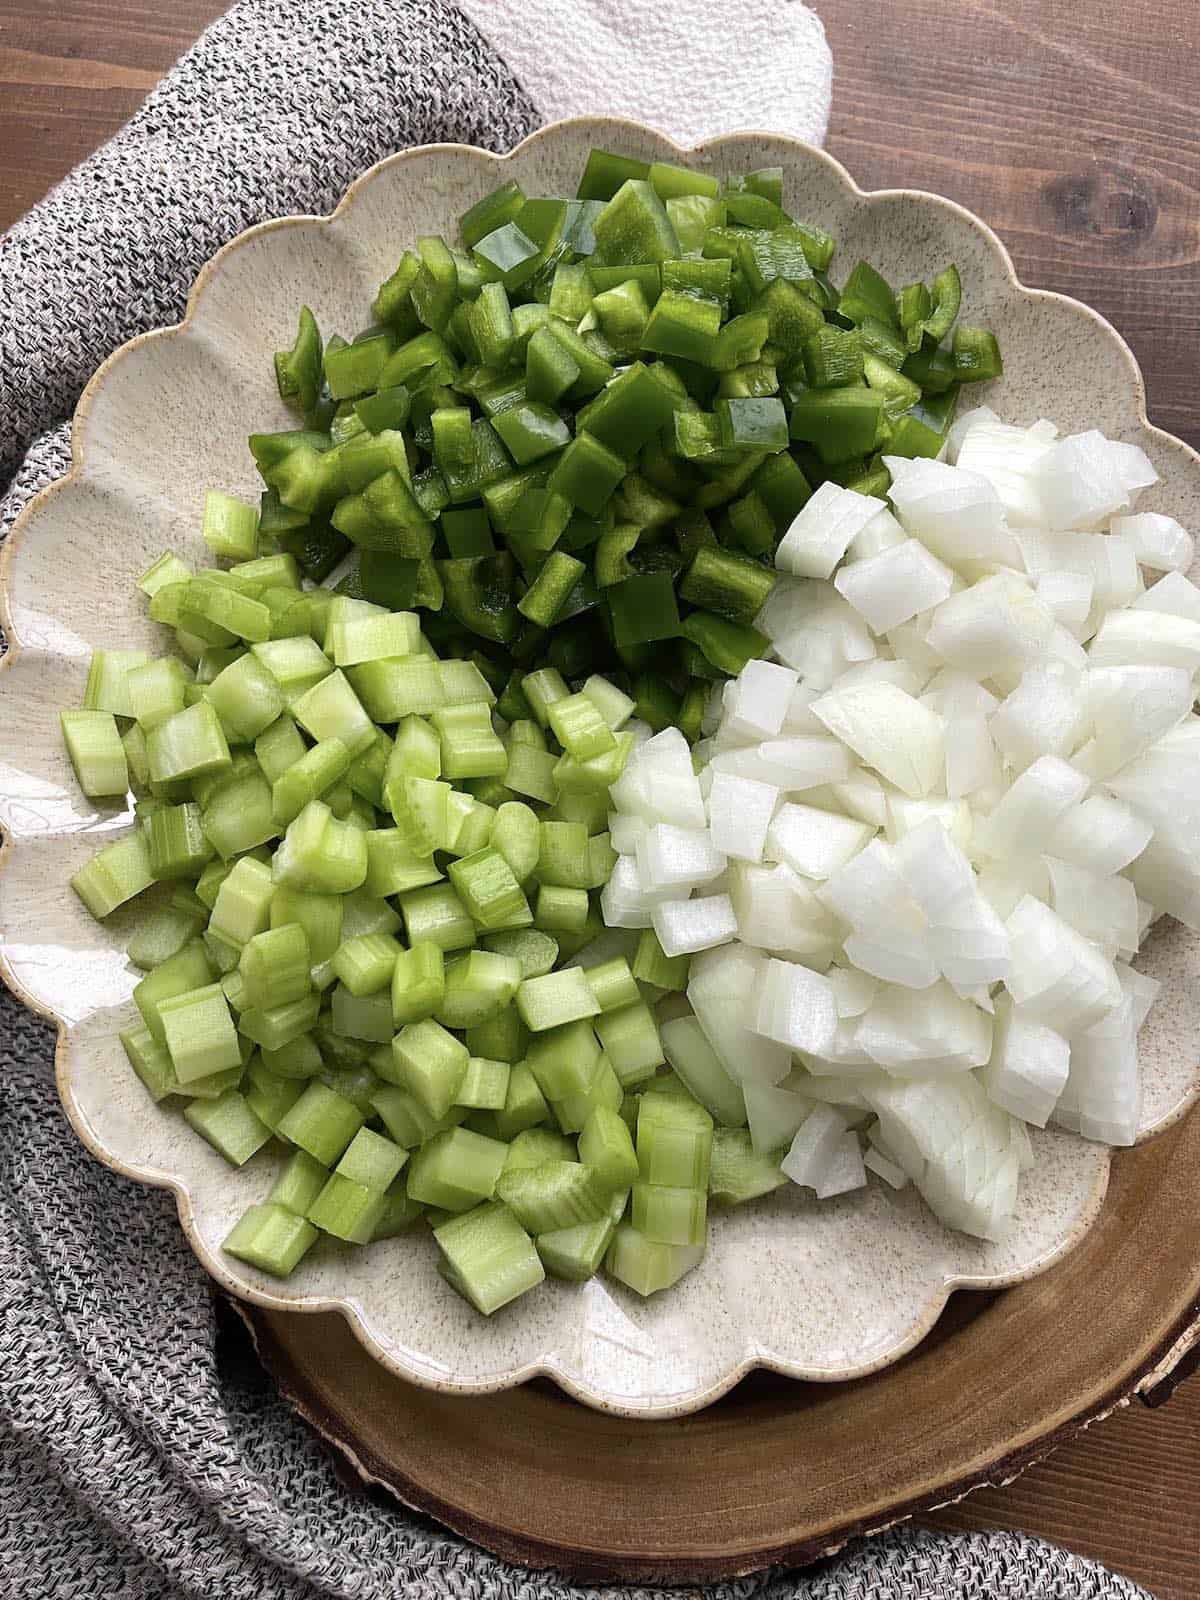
(1068, 125)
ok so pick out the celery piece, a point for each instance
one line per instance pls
(320, 915)
(524, 1104)
(239, 816)
(470, 745)
(114, 875)
(667, 1215)
(613, 984)
(535, 950)
(485, 1084)
(199, 1032)
(531, 772)
(456, 1169)
(188, 969)
(242, 906)
(271, 1238)
(438, 915)
(163, 934)
(230, 527)
(298, 1183)
(167, 569)
(230, 1126)
(246, 697)
(674, 1142)
(629, 1037)
(590, 807)
(500, 1037)
(651, 966)
(308, 779)
(572, 777)
(563, 855)
(738, 1172)
(151, 1061)
(94, 745)
(489, 1258)
(606, 1145)
(516, 834)
(419, 810)
(189, 744)
(107, 683)
(372, 1160)
(299, 1058)
(321, 1122)
(367, 1017)
(604, 1090)
(556, 1194)
(321, 855)
(332, 710)
(555, 999)
(699, 1067)
(418, 982)
(576, 1253)
(563, 1059)
(347, 1210)
(645, 1266)
(366, 964)
(276, 1026)
(533, 1147)
(560, 910)
(406, 1119)
(274, 967)
(477, 986)
(392, 867)
(613, 704)
(431, 1064)
(579, 726)
(268, 1096)
(489, 890)
(297, 664)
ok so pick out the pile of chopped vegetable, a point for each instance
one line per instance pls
(920, 847)
(533, 515)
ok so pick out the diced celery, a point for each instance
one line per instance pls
(270, 1237)
(556, 999)
(94, 745)
(489, 1258)
(645, 1266)
(456, 1169)
(230, 1126)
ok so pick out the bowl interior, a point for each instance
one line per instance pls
(820, 1292)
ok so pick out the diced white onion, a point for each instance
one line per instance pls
(820, 533)
(895, 585)
(685, 926)
(1158, 541)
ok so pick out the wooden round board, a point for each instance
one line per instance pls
(780, 1472)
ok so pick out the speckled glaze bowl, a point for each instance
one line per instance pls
(819, 1292)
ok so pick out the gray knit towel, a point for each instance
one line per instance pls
(142, 1457)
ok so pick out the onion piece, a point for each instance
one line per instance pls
(1028, 1066)
(814, 1148)
(686, 926)
(822, 530)
(812, 842)
(796, 1007)
(996, 625)
(890, 731)
(1158, 541)
(896, 585)
(1057, 975)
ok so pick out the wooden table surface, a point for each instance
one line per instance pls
(1066, 124)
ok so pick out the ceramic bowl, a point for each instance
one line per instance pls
(819, 1292)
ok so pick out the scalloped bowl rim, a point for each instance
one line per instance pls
(217, 1267)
